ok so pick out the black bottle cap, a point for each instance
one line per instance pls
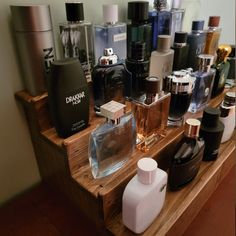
(138, 50)
(232, 54)
(181, 37)
(198, 25)
(153, 85)
(230, 99)
(210, 117)
(138, 11)
(74, 11)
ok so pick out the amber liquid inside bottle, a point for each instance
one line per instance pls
(212, 39)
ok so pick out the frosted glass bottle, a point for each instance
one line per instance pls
(110, 34)
(144, 196)
(161, 60)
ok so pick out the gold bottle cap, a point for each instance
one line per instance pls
(223, 52)
(192, 127)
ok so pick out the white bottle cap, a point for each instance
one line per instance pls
(110, 13)
(112, 110)
(147, 168)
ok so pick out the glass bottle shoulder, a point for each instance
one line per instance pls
(107, 26)
(213, 29)
(200, 74)
(76, 24)
(162, 54)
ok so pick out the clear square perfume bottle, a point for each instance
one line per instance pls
(111, 143)
(77, 37)
(151, 113)
(110, 34)
(204, 83)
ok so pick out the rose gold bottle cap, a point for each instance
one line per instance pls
(147, 168)
(164, 43)
(214, 21)
(192, 127)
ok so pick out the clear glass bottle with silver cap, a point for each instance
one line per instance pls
(33, 29)
(180, 84)
(110, 34)
(227, 116)
(187, 159)
(111, 143)
(151, 112)
(77, 37)
(204, 83)
(144, 196)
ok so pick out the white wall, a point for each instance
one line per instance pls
(18, 169)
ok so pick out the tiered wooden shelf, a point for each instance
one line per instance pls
(63, 164)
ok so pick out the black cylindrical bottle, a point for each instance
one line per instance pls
(211, 131)
(68, 95)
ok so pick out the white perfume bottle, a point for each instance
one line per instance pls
(144, 196)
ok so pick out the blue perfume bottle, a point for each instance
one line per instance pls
(204, 83)
(111, 80)
(110, 34)
(111, 143)
(196, 41)
(160, 19)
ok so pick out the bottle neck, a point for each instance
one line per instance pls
(204, 68)
(75, 22)
(113, 122)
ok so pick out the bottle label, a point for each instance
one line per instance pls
(48, 58)
(75, 99)
(119, 37)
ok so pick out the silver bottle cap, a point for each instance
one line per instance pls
(192, 127)
(110, 13)
(164, 43)
(30, 18)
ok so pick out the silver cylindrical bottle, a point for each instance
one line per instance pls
(33, 29)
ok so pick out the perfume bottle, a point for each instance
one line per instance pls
(160, 19)
(77, 37)
(68, 95)
(203, 85)
(177, 17)
(110, 34)
(227, 115)
(181, 51)
(232, 61)
(211, 131)
(138, 64)
(180, 84)
(212, 35)
(186, 162)
(144, 196)
(139, 29)
(161, 60)
(151, 112)
(111, 80)
(222, 69)
(111, 143)
(196, 41)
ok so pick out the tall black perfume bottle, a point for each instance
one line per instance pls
(111, 80)
(211, 131)
(68, 95)
(186, 162)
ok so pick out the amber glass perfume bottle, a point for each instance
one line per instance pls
(222, 69)
(151, 112)
(213, 35)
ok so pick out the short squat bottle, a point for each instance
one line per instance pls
(111, 80)
(161, 60)
(212, 35)
(187, 159)
(68, 95)
(211, 131)
(160, 18)
(77, 37)
(110, 34)
(196, 41)
(204, 83)
(111, 143)
(151, 112)
(222, 69)
(180, 48)
(180, 84)
(144, 196)
(227, 115)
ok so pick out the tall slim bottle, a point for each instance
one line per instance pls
(110, 34)
(222, 69)
(204, 83)
(212, 35)
(77, 37)
(160, 18)
(196, 41)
